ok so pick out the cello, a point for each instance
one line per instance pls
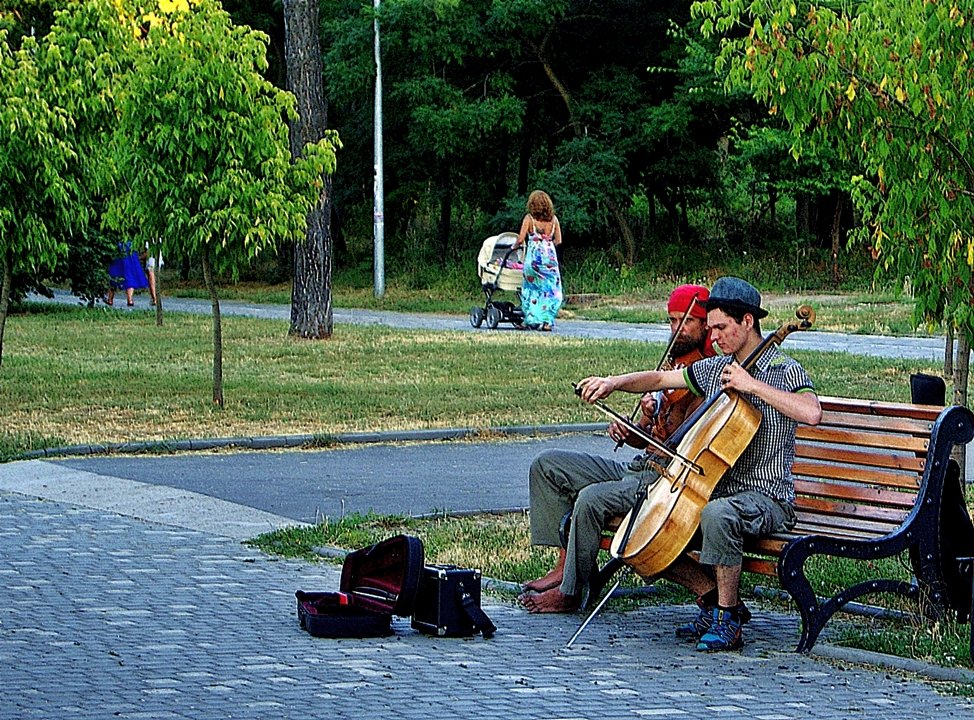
(661, 524)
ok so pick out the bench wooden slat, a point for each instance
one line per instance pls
(836, 526)
(849, 491)
(838, 508)
(876, 407)
(898, 424)
(832, 454)
(850, 473)
(763, 566)
(891, 442)
(770, 545)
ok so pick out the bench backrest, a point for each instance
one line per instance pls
(857, 473)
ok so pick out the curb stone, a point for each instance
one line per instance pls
(275, 442)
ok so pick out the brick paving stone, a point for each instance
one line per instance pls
(110, 617)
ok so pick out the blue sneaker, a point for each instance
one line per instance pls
(724, 633)
(698, 627)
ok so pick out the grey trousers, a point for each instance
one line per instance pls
(725, 522)
(594, 489)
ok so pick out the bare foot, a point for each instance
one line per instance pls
(550, 601)
(551, 580)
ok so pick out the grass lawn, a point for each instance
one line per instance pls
(73, 375)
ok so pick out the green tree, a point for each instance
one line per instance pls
(82, 58)
(203, 149)
(888, 84)
(35, 189)
(486, 100)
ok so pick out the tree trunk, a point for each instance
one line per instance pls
(217, 331)
(524, 164)
(628, 239)
(961, 378)
(158, 288)
(836, 227)
(311, 308)
(949, 351)
(5, 284)
(446, 210)
(803, 223)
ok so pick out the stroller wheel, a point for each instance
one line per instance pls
(493, 317)
(476, 316)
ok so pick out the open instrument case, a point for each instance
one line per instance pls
(377, 582)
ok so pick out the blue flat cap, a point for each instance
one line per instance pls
(736, 293)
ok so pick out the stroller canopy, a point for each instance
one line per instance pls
(492, 253)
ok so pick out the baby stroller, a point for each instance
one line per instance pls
(498, 270)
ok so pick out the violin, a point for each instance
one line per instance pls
(675, 404)
(666, 515)
(667, 362)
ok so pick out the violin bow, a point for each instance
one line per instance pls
(640, 432)
(659, 366)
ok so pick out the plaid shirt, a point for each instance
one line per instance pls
(765, 465)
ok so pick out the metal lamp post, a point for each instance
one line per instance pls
(378, 218)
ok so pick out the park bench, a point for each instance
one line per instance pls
(873, 480)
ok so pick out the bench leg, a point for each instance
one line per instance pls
(791, 574)
(815, 614)
(967, 572)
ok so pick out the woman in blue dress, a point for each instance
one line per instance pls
(126, 272)
(541, 294)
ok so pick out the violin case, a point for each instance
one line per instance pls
(390, 578)
(377, 582)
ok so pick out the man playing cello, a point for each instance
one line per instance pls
(595, 488)
(755, 496)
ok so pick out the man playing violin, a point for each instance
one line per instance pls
(755, 497)
(594, 488)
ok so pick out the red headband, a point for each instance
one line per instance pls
(682, 296)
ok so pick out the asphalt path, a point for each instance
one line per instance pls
(399, 478)
(927, 349)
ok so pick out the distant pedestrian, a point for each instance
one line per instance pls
(126, 272)
(541, 293)
(153, 264)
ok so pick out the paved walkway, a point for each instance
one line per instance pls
(929, 349)
(107, 616)
(126, 594)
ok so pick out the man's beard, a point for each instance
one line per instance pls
(684, 345)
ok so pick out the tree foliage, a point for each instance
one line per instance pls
(35, 190)
(203, 148)
(487, 100)
(888, 84)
